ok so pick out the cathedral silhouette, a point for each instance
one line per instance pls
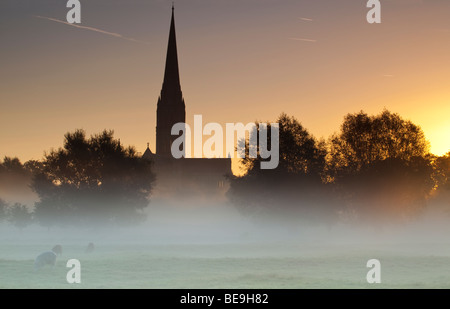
(193, 176)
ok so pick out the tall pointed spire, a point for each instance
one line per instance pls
(171, 74)
(171, 107)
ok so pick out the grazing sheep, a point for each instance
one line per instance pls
(90, 248)
(47, 258)
(57, 249)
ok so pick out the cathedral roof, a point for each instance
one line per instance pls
(148, 154)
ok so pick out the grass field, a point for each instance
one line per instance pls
(199, 249)
(239, 265)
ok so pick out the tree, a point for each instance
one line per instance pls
(15, 180)
(33, 166)
(92, 181)
(440, 200)
(12, 165)
(19, 216)
(365, 139)
(381, 166)
(3, 207)
(442, 172)
(300, 152)
(292, 190)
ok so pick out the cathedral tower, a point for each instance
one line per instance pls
(171, 108)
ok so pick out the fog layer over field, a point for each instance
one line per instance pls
(221, 223)
(214, 246)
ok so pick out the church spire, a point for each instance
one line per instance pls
(171, 108)
(171, 74)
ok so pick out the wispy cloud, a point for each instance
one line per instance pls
(304, 40)
(305, 19)
(117, 35)
(388, 75)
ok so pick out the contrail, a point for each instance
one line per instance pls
(305, 19)
(304, 40)
(117, 35)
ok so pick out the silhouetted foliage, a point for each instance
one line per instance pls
(19, 216)
(442, 172)
(365, 139)
(3, 206)
(33, 166)
(12, 165)
(294, 189)
(381, 167)
(15, 180)
(440, 200)
(91, 181)
(12, 172)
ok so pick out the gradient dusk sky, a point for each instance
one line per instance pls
(240, 61)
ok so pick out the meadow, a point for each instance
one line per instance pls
(229, 266)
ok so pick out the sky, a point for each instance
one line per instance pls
(240, 61)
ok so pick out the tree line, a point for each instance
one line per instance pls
(375, 168)
(89, 181)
